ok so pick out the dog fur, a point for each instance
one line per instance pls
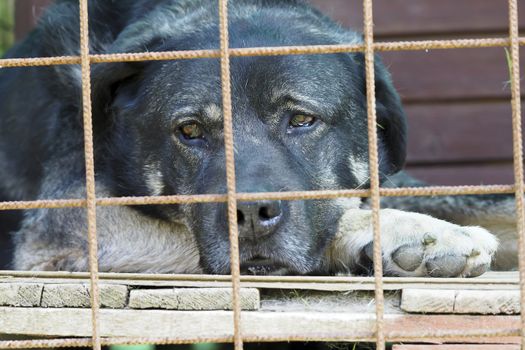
(139, 110)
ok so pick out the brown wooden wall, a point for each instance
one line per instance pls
(457, 101)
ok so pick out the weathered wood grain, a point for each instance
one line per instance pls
(165, 323)
(282, 325)
(20, 294)
(65, 295)
(78, 295)
(461, 301)
(428, 300)
(192, 299)
(491, 280)
(487, 302)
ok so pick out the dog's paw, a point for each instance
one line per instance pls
(441, 251)
(417, 245)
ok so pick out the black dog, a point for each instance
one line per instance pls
(300, 123)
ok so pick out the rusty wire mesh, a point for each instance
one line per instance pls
(224, 53)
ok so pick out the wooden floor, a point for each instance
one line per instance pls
(489, 280)
(474, 310)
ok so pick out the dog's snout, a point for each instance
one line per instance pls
(258, 219)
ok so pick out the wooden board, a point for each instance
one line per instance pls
(455, 301)
(282, 315)
(393, 18)
(467, 174)
(402, 18)
(192, 299)
(78, 295)
(21, 294)
(459, 74)
(27, 13)
(459, 132)
(428, 301)
(279, 325)
(462, 143)
(119, 296)
(491, 280)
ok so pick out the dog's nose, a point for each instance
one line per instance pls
(258, 219)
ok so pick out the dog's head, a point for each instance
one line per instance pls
(299, 121)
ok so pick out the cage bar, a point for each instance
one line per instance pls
(262, 51)
(235, 267)
(256, 196)
(91, 205)
(368, 30)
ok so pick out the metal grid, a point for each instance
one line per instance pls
(225, 53)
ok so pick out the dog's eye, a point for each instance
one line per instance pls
(301, 120)
(191, 131)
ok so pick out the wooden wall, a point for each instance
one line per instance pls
(457, 101)
(27, 13)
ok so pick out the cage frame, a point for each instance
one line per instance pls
(224, 53)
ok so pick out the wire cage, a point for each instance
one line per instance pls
(225, 53)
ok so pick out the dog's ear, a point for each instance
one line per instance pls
(391, 122)
(108, 79)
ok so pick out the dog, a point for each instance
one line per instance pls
(300, 123)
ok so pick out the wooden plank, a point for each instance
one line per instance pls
(407, 17)
(21, 294)
(27, 13)
(477, 135)
(280, 325)
(165, 323)
(66, 295)
(449, 74)
(78, 295)
(192, 299)
(392, 17)
(488, 277)
(320, 286)
(487, 302)
(459, 132)
(428, 300)
(459, 324)
(493, 302)
(491, 280)
(467, 174)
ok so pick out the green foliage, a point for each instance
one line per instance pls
(7, 10)
(508, 58)
(132, 347)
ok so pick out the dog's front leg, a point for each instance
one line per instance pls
(412, 245)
